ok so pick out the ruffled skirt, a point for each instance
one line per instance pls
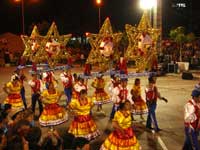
(53, 114)
(101, 97)
(140, 107)
(118, 141)
(84, 126)
(15, 100)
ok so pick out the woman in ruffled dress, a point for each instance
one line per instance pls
(52, 114)
(78, 86)
(12, 88)
(123, 136)
(100, 96)
(83, 124)
(139, 106)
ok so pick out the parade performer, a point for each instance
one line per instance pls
(120, 94)
(114, 82)
(36, 89)
(154, 64)
(123, 136)
(100, 96)
(67, 80)
(52, 47)
(49, 77)
(152, 95)
(87, 69)
(78, 86)
(145, 42)
(197, 86)
(34, 46)
(123, 66)
(191, 121)
(83, 124)
(139, 105)
(106, 46)
(75, 78)
(13, 88)
(53, 114)
(20, 73)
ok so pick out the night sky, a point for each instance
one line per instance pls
(80, 16)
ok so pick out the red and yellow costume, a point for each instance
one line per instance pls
(87, 69)
(83, 124)
(123, 66)
(52, 114)
(48, 77)
(78, 86)
(100, 96)
(140, 106)
(14, 97)
(119, 141)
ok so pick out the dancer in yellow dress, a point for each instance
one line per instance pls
(83, 124)
(100, 96)
(52, 114)
(123, 137)
(78, 86)
(140, 106)
(13, 88)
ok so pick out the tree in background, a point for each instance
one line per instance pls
(179, 36)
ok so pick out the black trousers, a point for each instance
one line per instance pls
(36, 98)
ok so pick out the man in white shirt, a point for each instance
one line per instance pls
(191, 122)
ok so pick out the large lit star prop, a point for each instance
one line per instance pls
(143, 57)
(35, 46)
(96, 55)
(32, 44)
(58, 45)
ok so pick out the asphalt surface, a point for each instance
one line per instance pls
(169, 115)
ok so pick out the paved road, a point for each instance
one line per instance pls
(169, 116)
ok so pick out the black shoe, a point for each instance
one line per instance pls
(158, 130)
(150, 128)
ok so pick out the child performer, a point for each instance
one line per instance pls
(120, 94)
(12, 88)
(53, 114)
(100, 96)
(139, 105)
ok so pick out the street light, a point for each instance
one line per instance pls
(148, 5)
(99, 2)
(22, 13)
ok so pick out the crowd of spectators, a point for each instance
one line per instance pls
(18, 131)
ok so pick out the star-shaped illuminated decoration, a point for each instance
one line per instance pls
(104, 46)
(39, 49)
(32, 44)
(142, 43)
(54, 46)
